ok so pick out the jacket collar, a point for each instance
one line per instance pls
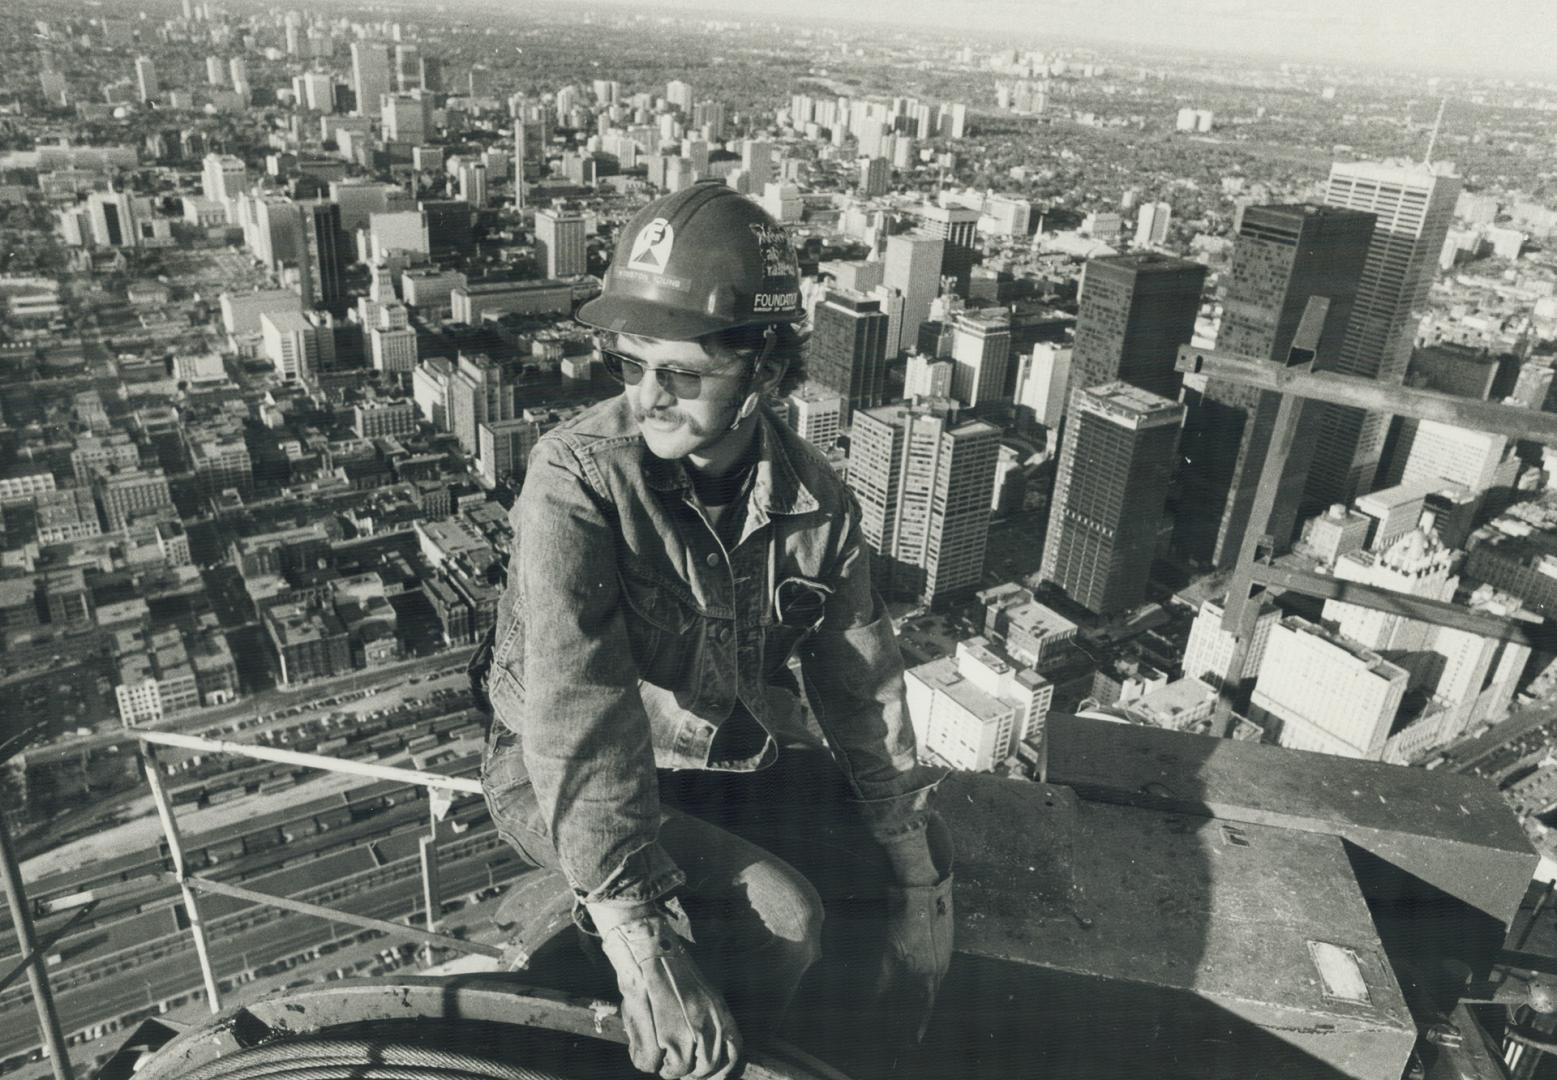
(778, 488)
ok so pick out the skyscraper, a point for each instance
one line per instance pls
(404, 118)
(559, 243)
(215, 71)
(913, 266)
(1115, 464)
(146, 78)
(875, 174)
(958, 227)
(408, 68)
(924, 483)
(327, 247)
(1151, 224)
(370, 77)
(1283, 256)
(224, 177)
(473, 183)
(478, 394)
(1134, 312)
(981, 359)
(446, 228)
(847, 349)
(757, 160)
(1414, 206)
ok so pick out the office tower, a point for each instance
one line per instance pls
(473, 183)
(224, 178)
(708, 116)
(913, 266)
(958, 227)
(1318, 691)
(408, 68)
(679, 94)
(1414, 207)
(318, 91)
(393, 347)
(1209, 654)
(446, 229)
(757, 162)
(1283, 256)
(327, 248)
(291, 344)
(146, 78)
(370, 79)
(981, 358)
(1133, 314)
(430, 390)
(924, 482)
(973, 709)
(1428, 450)
(113, 218)
(1115, 464)
(816, 415)
(559, 243)
(504, 448)
(926, 376)
(215, 71)
(238, 67)
(278, 237)
(433, 79)
(1043, 385)
(478, 394)
(875, 176)
(1151, 224)
(847, 350)
(404, 118)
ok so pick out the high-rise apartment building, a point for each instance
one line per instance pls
(981, 360)
(1413, 207)
(215, 71)
(875, 176)
(1133, 313)
(1151, 224)
(924, 482)
(958, 227)
(559, 243)
(370, 75)
(846, 353)
(1115, 464)
(1283, 256)
(912, 265)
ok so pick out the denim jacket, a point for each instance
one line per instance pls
(627, 633)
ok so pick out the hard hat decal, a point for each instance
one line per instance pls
(778, 253)
(651, 248)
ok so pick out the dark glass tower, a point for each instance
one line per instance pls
(847, 352)
(1284, 255)
(1135, 312)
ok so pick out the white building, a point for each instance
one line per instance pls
(1319, 691)
(816, 416)
(291, 344)
(971, 710)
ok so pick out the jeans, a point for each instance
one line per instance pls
(765, 854)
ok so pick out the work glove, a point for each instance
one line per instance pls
(918, 942)
(677, 1024)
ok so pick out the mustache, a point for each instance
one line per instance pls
(671, 415)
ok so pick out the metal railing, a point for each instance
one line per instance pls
(192, 886)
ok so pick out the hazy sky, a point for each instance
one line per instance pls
(1517, 36)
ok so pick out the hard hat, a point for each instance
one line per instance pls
(701, 260)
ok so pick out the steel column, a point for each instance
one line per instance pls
(37, 977)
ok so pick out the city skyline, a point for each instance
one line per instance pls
(1444, 34)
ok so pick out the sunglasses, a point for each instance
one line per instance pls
(685, 385)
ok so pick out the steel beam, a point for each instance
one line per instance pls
(1511, 421)
(1535, 635)
(464, 784)
(37, 977)
(286, 903)
(170, 831)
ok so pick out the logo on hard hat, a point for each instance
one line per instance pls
(651, 248)
(778, 252)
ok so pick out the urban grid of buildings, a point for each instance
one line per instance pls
(302, 305)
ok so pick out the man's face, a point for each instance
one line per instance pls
(675, 427)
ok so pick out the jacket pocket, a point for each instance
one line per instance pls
(659, 626)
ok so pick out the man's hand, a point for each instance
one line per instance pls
(677, 1024)
(918, 944)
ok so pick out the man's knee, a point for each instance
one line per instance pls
(790, 909)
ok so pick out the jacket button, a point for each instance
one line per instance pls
(721, 633)
(712, 559)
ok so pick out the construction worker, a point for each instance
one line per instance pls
(675, 546)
